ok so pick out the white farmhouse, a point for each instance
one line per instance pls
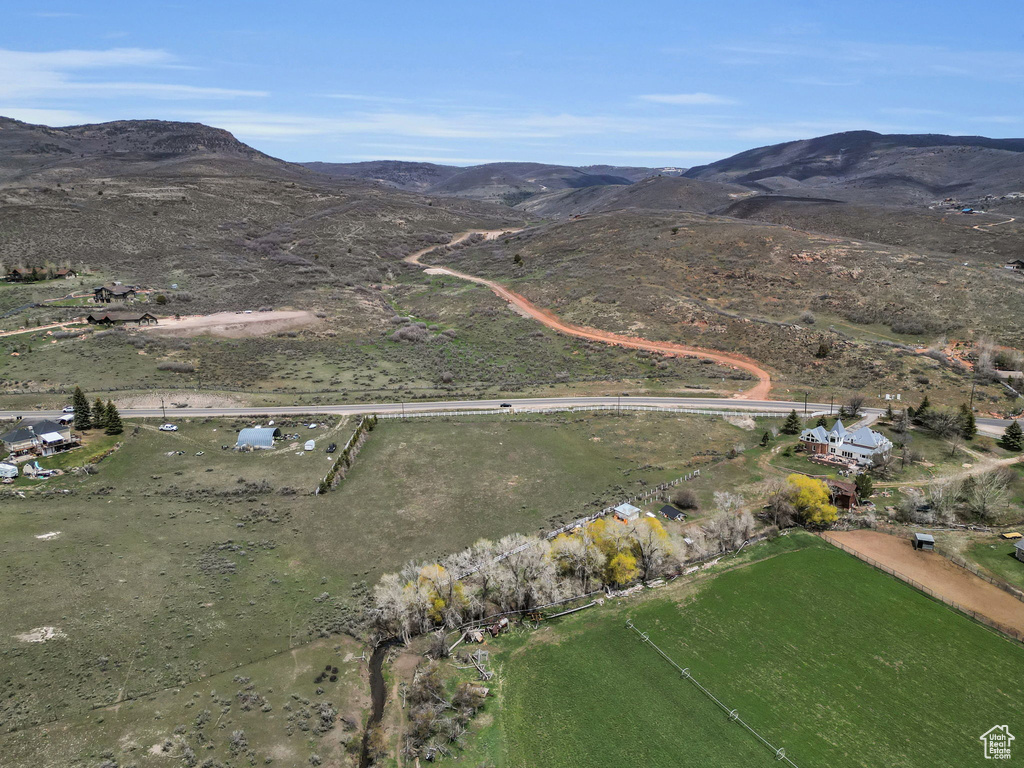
(860, 447)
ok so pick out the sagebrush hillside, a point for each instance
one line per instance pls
(867, 166)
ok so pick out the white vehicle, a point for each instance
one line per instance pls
(314, 425)
(168, 427)
(68, 409)
(310, 445)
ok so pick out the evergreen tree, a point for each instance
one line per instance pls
(865, 486)
(921, 414)
(792, 425)
(821, 421)
(99, 414)
(83, 417)
(888, 412)
(765, 439)
(1013, 437)
(114, 425)
(968, 426)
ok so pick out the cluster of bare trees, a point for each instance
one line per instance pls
(983, 496)
(438, 718)
(518, 573)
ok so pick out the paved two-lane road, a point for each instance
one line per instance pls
(989, 426)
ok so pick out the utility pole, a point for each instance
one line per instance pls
(403, 410)
(163, 408)
(805, 403)
(618, 405)
(830, 402)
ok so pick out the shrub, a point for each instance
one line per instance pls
(176, 367)
(684, 498)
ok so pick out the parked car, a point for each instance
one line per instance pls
(68, 409)
(332, 447)
(313, 425)
(168, 427)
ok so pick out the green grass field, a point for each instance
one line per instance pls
(172, 567)
(836, 662)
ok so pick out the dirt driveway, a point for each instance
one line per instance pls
(937, 573)
(233, 325)
(527, 308)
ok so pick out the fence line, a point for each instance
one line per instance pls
(980, 618)
(779, 752)
(575, 408)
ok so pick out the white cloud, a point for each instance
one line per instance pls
(46, 116)
(686, 99)
(37, 76)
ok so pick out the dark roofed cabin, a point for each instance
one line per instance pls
(843, 494)
(105, 294)
(122, 318)
(672, 513)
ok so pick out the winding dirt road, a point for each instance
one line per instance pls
(758, 392)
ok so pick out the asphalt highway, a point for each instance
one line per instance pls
(991, 426)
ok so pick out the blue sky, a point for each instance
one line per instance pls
(640, 83)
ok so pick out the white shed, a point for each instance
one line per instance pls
(627, 512)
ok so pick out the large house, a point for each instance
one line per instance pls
(105, 294)
(1017, 265)
(38, 438)
(121, 318)
(860, 447)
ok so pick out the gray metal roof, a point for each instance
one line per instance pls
(258, 437)
(1020, 544)
(924, 537)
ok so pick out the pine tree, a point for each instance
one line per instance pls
(922, 411)
(865, 486)
(99, 414)
(1013, 437)
(968, 426)
(765, 439)
(83, 417)
(792, 425)
(821, 421)
(888, 412)
(114, 425)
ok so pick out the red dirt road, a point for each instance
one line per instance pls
(759, 391)
(937, 573)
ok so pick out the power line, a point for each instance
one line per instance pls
(779, 752)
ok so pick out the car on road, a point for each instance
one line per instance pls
(168, 427)
(68, 409)
(505, 405)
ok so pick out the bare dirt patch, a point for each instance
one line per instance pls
(937, 573)
(183, 399)
(232, 325)
(40, 635)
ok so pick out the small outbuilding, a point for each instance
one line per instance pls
(627, 513)
(257, 437)
(1017, 265)
(843, 493)
(923, 541)
(672, 513)
(1018, 550)
(8, 471)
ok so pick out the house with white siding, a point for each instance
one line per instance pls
(860, 446)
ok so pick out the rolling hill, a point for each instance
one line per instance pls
(872, 167)
(499, 182)
(156, 203)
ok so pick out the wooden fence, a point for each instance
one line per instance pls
(1008, 631)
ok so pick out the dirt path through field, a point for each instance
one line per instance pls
(759, 391)
(233, 325)
(937, 573)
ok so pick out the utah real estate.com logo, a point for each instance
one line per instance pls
(997, 742)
